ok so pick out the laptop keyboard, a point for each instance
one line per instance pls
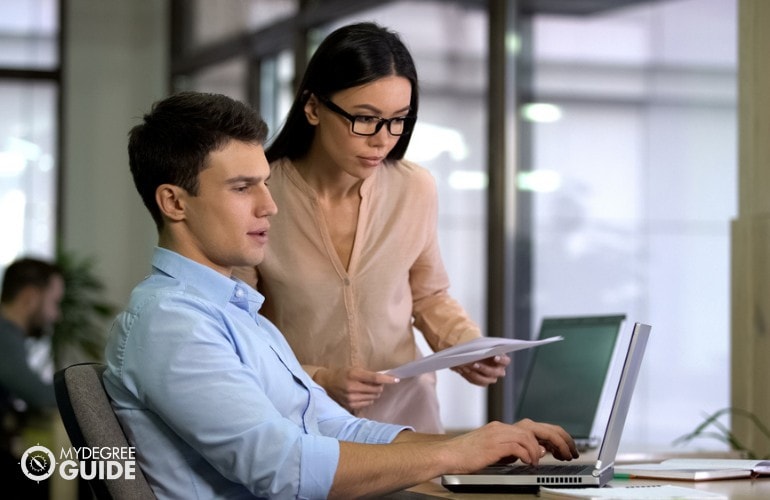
(549, 470)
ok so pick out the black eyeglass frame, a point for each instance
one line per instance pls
(409, 120)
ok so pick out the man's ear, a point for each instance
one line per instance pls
(30, 297)
(311, 109)
(171, 201)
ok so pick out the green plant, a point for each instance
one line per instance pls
(711, 427)
(81, 330)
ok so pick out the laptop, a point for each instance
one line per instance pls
(572, 371)
(524, 478)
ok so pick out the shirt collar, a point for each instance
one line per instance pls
(206, 282)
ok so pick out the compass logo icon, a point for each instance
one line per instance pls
(38, 463)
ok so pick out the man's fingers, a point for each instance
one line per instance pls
(558, 441)
(524, 453)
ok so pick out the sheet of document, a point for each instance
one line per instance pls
(467, 352)
(657, 492)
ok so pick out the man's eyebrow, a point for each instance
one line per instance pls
(249, 179)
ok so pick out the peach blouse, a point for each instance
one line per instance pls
(364, 315)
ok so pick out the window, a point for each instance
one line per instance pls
(630, 175)
(29, 41)
(634, 181)
(214, 22)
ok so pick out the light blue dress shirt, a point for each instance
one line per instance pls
(212, 397)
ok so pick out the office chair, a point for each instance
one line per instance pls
(90, 422)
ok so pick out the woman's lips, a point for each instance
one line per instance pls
(371, 161)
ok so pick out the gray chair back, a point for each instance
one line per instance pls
(90, 422)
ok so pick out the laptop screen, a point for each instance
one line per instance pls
(565, 379)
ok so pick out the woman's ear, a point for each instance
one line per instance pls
(170, 200)
(311, 109)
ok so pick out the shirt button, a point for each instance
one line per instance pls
(347, 282)
(238, 292)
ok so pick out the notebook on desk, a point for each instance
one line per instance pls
(523, 478)
(572, 371)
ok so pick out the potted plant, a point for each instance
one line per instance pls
(711, 427)
(80, 334)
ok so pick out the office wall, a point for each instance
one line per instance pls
(115, 65)
(751, 230)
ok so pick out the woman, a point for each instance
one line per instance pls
(353, 262)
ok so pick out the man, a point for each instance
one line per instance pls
(208, 390)
(32, 292)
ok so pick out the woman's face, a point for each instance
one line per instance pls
(357, 155)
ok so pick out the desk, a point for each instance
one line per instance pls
(734, 489)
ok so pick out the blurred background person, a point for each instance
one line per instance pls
(32, 291)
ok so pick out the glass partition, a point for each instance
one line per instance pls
(28, 173)
(631, 151)
(29, 34)
(216, 21)
(276, 92)
(634, 182)
(29, 95)
(228, 77)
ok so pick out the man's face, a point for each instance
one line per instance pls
(48, 309)
(226, 223)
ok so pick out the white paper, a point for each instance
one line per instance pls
(657, 492)
(716, 463)
(467, 352)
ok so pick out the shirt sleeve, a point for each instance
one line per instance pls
(194, 375)
(440, 318)
(334, 420)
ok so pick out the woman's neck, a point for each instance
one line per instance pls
(326, 178)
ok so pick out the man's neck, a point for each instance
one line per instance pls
(178, 242)
(15, 316)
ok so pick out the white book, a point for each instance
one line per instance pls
(696, 469)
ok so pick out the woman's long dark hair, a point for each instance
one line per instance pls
(350, 56)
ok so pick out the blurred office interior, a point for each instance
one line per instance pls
(586, 155)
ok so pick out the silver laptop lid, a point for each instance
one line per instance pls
(622, 401)
(499, 478)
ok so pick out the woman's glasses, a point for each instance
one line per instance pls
(370, 125)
